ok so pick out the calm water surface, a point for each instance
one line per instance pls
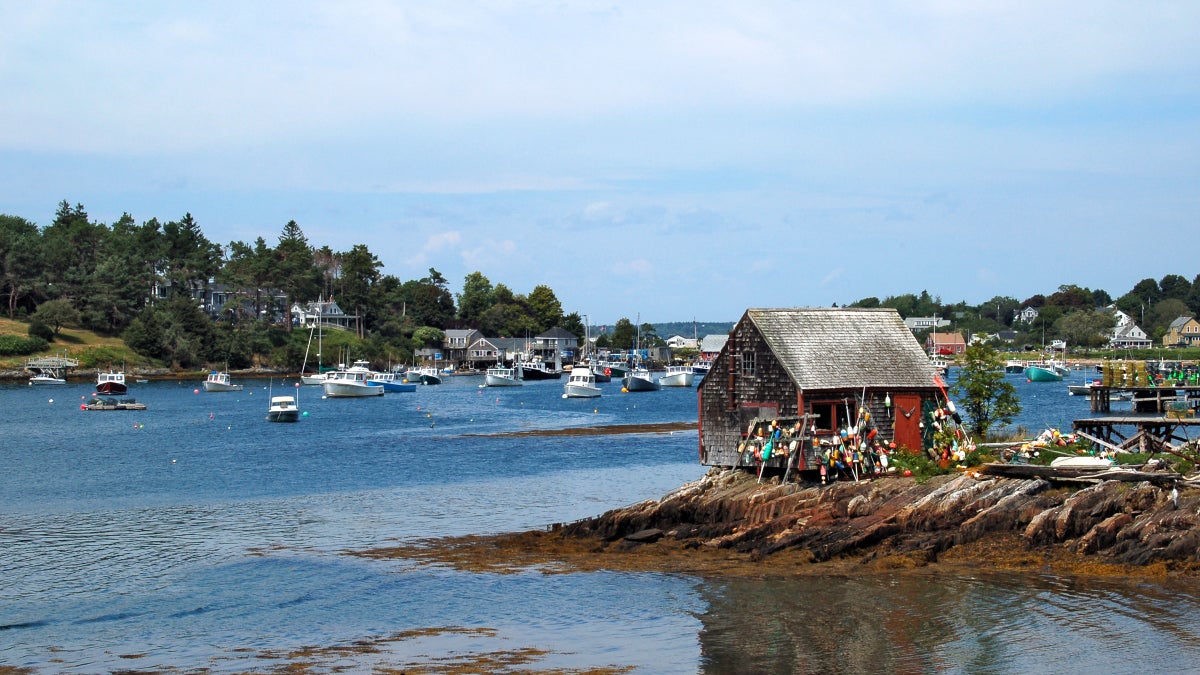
(195, 535)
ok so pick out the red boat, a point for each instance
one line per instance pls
(110, 383)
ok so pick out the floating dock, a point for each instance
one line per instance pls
(111, 404)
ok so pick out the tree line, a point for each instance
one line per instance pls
(1076, 314)
(145, 282)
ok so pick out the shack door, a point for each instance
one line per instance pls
(908, 419)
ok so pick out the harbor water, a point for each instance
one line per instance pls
(196, 536)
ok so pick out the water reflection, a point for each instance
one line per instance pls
(937, 622)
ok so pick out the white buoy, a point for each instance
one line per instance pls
(564, 395)
(52, 400)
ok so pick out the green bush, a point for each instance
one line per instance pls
(15, 345)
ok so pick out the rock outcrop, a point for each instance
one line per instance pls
(900, 519)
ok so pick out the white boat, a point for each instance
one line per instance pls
(581, 383)
(426, 374)
(500, 375)
(111, 382)
(352, 382)
(701, 368)
(677, 376)
(45, 378)
(283, 409)
(639, 379)
(940, 364)
(219, 381)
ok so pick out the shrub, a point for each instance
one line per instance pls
(39, 329)
(15, 345)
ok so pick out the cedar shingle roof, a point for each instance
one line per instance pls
(839, 348)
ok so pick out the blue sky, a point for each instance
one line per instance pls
(673, 160)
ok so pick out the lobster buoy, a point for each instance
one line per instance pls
(608, 371)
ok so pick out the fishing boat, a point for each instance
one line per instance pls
(1014, 366)
(112, 383)
(581, 383)
(352, 382)
(1042, 373)
(639, 379)
(283, 409)
(677, 376)
(939, 364)
(425, 374)
(700, 368)
(392, 381)
(219, 381)
(500, 375)
(601, 372)
(538, 369)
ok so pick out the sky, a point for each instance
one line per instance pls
(667, 161)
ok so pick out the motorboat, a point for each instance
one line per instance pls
(426, 374)
(677, 376)
(392, 381)
(352, 382)
(537, 369)
(940, 365)
(219, 381)
(1014, 366)
(112, 383)
(581, 383)
(701, 368)
(283, 409)
(601, 372)
(500, 375)
(46, 378)
(1042, 373)
(639, 379)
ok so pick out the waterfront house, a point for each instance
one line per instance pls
(1183, 331)
(1129, 336)
(945, 343)
(711, 345)
(825, 362)
(1026, 315)
(327, 313)
(456, 345)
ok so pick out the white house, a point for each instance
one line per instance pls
(916, 323)
(680, 342)
(1027, 315)
(1129, 336)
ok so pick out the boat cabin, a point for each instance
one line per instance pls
(825, 369)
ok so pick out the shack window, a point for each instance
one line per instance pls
(831, 415)
(747, 363)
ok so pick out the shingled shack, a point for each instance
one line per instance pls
(826, 363)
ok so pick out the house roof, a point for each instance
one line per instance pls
(557, 333)
(1180, 322)
(947, 339)
(713, 343)
(838, 348)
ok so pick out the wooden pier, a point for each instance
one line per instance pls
(1175, 435)
(1146, 400)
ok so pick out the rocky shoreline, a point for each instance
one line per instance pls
(726, 523)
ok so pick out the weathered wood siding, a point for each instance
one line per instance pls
(730, 397)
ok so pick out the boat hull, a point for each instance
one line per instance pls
(580, 391)
(399, 386)
(352, 389)
(111, 388)
(221, 386)
(501, 378)
(539, 374)
(677, 380)
(634, 383)
(312, 379)
(1039, 374)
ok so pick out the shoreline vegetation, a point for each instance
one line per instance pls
(728, 524)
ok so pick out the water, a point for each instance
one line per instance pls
(195, 535)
